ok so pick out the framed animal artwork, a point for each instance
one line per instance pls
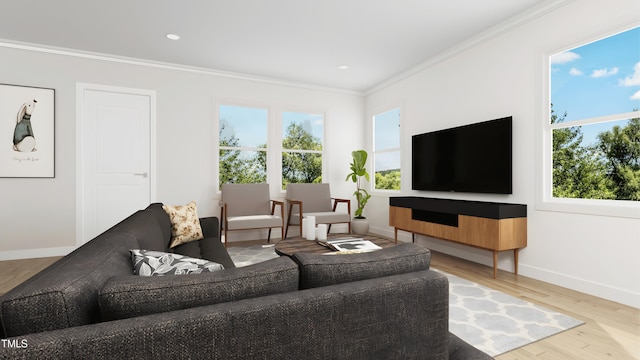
(27, 136)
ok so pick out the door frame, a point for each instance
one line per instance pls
(80, 171)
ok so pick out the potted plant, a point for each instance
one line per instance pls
(359, 224)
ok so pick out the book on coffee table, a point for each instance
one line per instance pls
(350, 244)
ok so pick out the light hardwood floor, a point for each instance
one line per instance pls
(611, 330)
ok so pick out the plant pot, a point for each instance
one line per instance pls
(359, 226)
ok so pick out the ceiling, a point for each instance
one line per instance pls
(298, 41)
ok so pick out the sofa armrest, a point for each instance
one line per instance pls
(210, 227)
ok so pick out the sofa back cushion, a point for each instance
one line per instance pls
(66, 293)
(321, 270)
(145, 226)
(130, 296)
(163, 220)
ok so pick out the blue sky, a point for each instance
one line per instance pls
(249, 124)
(597, 79)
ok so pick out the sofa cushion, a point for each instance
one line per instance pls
(130, 296)
(159, 263)
(321, 270)
(66, 293)
(185, 225)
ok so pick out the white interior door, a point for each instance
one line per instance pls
(115, 156)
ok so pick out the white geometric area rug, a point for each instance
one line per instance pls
(495, 322)
(489, 320)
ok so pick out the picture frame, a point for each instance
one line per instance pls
(27, 132)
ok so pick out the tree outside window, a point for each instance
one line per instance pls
(302, 137)
(242, 145)
(594, 119)
(386, 150)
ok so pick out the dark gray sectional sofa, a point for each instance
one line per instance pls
(90, 305)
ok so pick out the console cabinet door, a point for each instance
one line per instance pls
(493, 234)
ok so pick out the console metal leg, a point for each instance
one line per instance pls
(495, 264)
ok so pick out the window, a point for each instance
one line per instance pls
(243, 144)
(302, 138)
(250, 150)
(592, 136)
(386, 150)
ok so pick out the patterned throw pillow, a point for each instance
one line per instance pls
(185, 225)
(158, 263)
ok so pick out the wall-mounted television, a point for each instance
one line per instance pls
(471, 158)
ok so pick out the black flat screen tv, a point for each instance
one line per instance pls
(471, 158)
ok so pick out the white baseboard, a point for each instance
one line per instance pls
(35, 253)
(604, 291)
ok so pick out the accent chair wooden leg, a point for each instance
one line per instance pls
(269, 236)
(286, 231)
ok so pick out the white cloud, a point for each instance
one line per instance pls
(575, 72)
(635, 96)
(564, 57)
(633, 80)
(604, 72)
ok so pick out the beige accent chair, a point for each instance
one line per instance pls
(248, 207)
(314, 200)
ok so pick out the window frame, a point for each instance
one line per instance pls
(374, 152)
(544, 189)
(274, 149)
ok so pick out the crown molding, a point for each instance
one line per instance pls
(167, 66)
(531, 14)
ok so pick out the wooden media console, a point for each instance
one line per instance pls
(485, 225)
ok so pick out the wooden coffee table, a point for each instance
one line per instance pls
(297, 244)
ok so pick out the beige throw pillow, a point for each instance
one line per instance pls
(185, 224)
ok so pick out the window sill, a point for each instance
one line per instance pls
(612, 208)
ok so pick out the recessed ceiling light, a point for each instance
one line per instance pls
(173, 36)
(343, 67)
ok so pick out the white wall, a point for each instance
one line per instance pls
(38, 216)
(498, 77)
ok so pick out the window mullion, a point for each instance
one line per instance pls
(595, 120)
